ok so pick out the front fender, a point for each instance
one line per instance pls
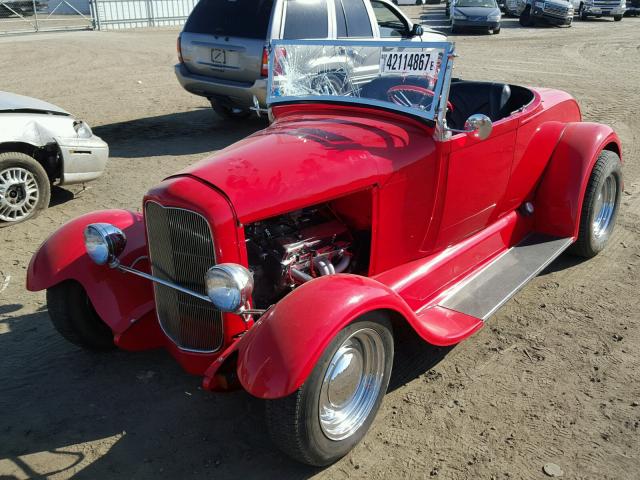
(279, 352)
(119, 299)
(560, 194)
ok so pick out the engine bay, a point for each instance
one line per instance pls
(291, 249)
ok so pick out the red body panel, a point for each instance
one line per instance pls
(438, 212)
(559, 198)
(279, 352)
(119, 299)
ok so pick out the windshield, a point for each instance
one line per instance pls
(477, 3)
(404, 76)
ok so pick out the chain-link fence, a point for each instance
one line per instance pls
(17, 16)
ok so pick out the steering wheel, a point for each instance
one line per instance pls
(417, 94)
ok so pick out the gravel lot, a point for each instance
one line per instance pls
(553, 377)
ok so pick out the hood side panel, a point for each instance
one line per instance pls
(301, 161)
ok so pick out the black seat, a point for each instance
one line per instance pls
(488, 98)
(377, 89)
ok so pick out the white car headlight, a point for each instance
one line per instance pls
(229, 286)
(104, 243)
(82, 129)
(493, 18)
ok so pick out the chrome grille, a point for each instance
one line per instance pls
(181, 251)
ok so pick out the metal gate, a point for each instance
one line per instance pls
(19, 16)
(115, 14)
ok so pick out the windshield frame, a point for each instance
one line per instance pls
(440, 90)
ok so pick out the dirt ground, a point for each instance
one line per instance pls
(553, 377)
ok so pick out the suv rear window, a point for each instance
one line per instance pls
(232, 18)
(306, 19)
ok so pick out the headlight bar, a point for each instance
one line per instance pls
(105, 243)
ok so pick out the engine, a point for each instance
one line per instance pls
(291, 249)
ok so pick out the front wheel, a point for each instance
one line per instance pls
(600, 205)
(330, 413)
(617, 18)
(74, 317)
(25, 189)
(496, 31)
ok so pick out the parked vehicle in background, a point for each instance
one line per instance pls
(41, 143)
(632, 8)
(292, 263)
(600, 8)
(513, 8)
(476, 14)
(224, 45)
(551, 12)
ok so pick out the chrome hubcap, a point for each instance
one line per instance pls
(351, 384)
(605, 207)
(19, 194)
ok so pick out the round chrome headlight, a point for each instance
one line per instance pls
(229, 286)
(104, 242)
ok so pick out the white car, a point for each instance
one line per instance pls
(42, 144)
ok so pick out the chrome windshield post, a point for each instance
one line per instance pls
(442, 133)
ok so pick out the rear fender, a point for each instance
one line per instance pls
(279, 352)
(560, 194)
(119, 299)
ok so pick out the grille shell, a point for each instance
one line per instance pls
(181, 250)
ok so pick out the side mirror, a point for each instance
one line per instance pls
(417, 30)
(478, 126)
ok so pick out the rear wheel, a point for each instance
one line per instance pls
(525, 18)
(600, 205)
(330, 413)
(25, 188)
(228, 112)
(74, 317)
(582, 13)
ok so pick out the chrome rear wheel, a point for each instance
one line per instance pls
(600, 205)
(605, 207)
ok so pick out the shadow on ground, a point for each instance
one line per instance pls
(138, 415)
(182, 133)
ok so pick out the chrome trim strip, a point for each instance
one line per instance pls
(122, 268)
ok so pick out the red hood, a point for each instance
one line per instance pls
(303, 160)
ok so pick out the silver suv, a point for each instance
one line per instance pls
(223, 48)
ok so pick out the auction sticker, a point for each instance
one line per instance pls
(404, 61)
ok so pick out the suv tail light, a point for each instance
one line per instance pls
(179, 48)
(264, 71)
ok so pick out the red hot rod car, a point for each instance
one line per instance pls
(384, 194)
